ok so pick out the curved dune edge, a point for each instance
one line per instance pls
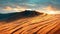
(42, 24)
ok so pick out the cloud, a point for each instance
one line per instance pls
(17, 8)
(50, 8)
(29, 4)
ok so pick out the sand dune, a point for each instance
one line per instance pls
(39, 23)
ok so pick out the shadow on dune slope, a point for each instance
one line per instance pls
(19, 15)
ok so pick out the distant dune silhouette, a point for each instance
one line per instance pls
(18, 15)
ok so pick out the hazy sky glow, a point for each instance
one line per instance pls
(8, 6)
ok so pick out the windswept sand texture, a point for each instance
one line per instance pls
(41, 24)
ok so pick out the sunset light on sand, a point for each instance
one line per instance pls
(29, 16)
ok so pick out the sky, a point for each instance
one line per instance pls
(9, 6)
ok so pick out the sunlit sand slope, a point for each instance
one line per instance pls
(41, 24)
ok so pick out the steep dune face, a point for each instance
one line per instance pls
(19, 15)
(31, 23)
